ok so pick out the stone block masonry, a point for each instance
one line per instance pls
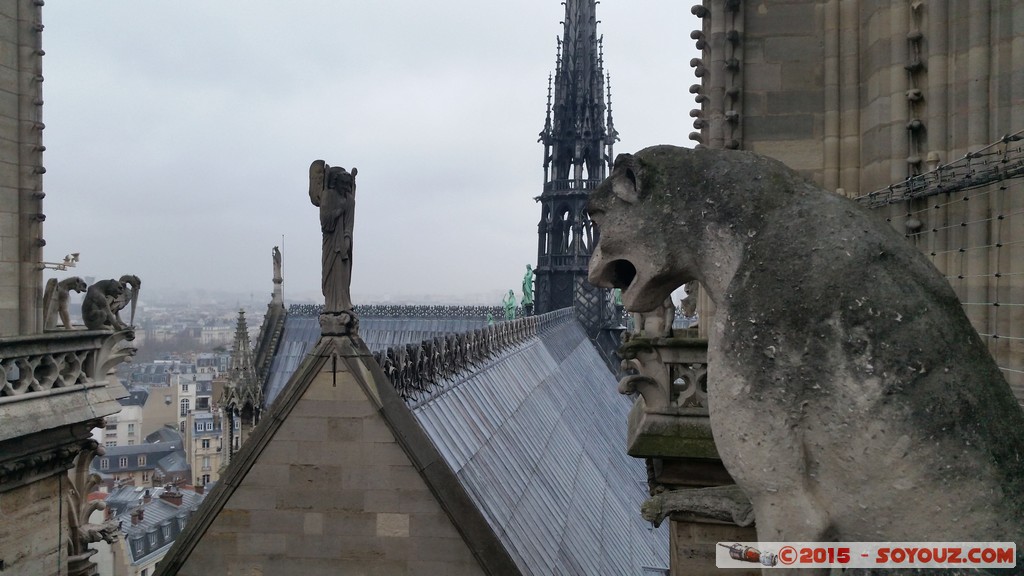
(327, 484)
(32, 530)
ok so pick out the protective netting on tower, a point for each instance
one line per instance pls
(968, 217)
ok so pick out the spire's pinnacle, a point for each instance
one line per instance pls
(575, 130)
(241, 350)
(613, 135)
(242, 386)
(546, 133)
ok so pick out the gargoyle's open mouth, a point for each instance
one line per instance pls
(621, 273)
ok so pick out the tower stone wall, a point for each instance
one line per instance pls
(859, 95)
(833, 87)
(21, 167)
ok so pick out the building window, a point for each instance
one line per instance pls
(206, 443)
(181, 426)
(142, 460)
(122, 462)
(109, 444)
(199, 426)
(112, 426)
(152, 538)
(209, 426)
(184, 387)
(206, 479)
(185, 404)
(131, 429)
(104, 463)
(131, 442)
(206, 464)
(166, 529)
(145, 476)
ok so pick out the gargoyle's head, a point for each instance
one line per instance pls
(111, 287)
(666, 215)
(639, 213)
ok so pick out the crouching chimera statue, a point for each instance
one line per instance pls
(850, 398)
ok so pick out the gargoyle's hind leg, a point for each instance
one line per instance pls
(795, 514)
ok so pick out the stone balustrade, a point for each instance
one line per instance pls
(55, 390)
(410, 311)
(670, 428)
(419, 370)
(59, 361)
(670, 416)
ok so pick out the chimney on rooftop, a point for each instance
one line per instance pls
(136, 516)
(146, 497)
(172, 496)
(200, 488)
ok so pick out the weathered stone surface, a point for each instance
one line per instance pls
(721, 503)
(55, 300)
(96, 306)
(326, 484)
(29, 517)
(333, 190)
(694, 543)
(849, 396)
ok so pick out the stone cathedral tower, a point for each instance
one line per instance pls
(920, 97)
(578, 137)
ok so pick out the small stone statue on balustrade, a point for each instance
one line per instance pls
(688, 305)
(333, 190)
(276, 297)
(528, 291)
(657, 323)
(509, 303)
(106, 298)
(96, 307)
(55, 300)
(130, 294)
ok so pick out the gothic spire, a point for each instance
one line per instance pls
(241, 349)
(242, 386)
(576, 140)
(578, 136)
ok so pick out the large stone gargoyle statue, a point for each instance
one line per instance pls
(96, 306)
(850, 398)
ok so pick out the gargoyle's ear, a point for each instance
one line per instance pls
(625, 183)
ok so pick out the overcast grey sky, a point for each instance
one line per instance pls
(179, 134)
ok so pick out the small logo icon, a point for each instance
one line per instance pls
(747, 554)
